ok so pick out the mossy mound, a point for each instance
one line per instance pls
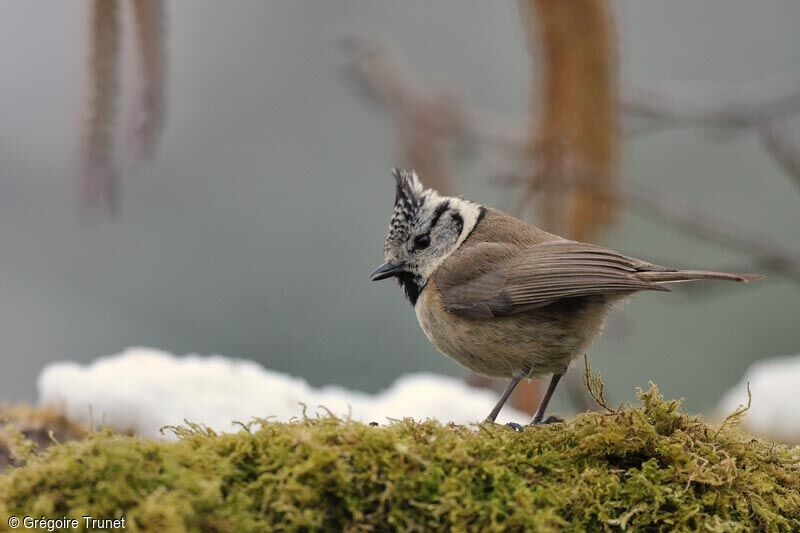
(643, 467)
(32, 427)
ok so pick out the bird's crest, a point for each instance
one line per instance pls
(410, 195)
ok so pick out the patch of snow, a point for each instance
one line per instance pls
(143, 389)
(775, 389)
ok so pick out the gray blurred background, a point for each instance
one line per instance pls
(253, 232)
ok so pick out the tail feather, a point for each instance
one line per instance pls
(692, 275)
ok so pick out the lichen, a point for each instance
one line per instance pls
(648, 466)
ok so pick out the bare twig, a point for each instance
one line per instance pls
(737, 416)
(595, 386)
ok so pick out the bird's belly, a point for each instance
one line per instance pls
(539, 342)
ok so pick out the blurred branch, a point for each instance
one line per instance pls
(424, 119)
(735, 105)
(149, 25)
(99, 172)
(386, 77)
(760, 106)
(777, 143)
(695, 221)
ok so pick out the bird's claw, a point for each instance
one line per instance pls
(516, 427)
(552, 419)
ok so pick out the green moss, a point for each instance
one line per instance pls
(648, 466)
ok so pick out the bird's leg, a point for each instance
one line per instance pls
(518, 376)
(537, 418)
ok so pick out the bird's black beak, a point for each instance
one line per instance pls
(386, 270)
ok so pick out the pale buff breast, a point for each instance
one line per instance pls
(539, 342)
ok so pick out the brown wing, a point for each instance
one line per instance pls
(498, 282)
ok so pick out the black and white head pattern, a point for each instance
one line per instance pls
(424, 230)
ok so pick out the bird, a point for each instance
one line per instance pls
(504, 298)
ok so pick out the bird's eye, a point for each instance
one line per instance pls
(422, 241)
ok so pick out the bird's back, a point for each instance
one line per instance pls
(493, 227)
(496, 226)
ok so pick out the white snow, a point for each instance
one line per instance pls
(144, 389)
(775, 389)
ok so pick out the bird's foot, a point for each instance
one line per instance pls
(552, 419)
(516, 427)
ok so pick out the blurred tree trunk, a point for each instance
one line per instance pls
(575, 114)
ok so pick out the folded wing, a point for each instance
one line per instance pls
(504, 280)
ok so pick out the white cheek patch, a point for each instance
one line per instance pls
(470, 213)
